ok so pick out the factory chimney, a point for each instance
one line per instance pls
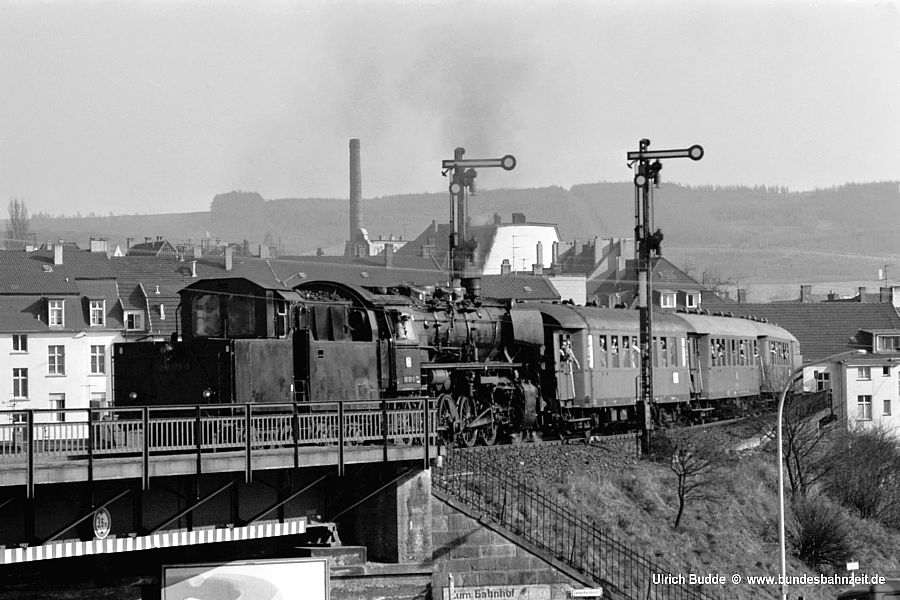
(355, 190)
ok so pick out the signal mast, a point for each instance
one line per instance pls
(648, 242)
(462, 183)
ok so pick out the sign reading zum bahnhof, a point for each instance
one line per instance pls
(499, 592)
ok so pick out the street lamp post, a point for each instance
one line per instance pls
(787, 386)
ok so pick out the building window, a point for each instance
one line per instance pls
(864, 373)
(98, 360)
(58, 402)
(887, 408)
(55, 313)
(20, 342)
(98, 312)
(134, 321)
(823, 381)
(667, 300)
(693, 300)
(864, 408)
(887, 343)
(20, 384)
(56, 360)
(885, 371)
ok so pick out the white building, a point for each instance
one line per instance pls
(59, 316)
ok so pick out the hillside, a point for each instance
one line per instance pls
(731, 529)
(751, 235)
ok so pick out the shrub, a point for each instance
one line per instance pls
(820, 532)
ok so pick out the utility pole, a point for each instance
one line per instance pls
(462, 183)
(648, 242)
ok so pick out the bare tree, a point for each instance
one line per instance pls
(695, 459)
(17, 226)
(810, 453)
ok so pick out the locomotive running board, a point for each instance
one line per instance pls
(492, 364)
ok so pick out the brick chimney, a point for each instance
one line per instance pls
(129, 242)
(505, 267)
(886, 294)
(355, 189)
(389, 256)
(862, 294)
(805, 293)
(229, 257)
(742, 295)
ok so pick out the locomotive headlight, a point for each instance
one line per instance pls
(207, 394)
(132, 395)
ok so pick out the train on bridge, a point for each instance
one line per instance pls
(497, 369)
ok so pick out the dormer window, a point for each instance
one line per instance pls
(692, 300)
(98, 313)
(55, 313)
(887, 343)
(134, 320)
(667, 299)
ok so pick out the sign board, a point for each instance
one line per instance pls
(499, 592)
(588, 593)
(274, 579)
(102, 523)
(852, 566)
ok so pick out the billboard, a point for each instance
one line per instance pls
(272, 579)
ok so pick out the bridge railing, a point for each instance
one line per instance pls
(59, 434)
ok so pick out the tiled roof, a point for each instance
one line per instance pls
(34, 272)
(518, 287)
(665, 275)
(27, 313)
(823, 328)
(483, 234)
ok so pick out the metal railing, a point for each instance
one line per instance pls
(32, 437)
(471, 477)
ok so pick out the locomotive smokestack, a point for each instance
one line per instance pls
(355, 189)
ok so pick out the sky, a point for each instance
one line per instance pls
(157, 106)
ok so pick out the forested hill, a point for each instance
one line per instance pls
(854, 219)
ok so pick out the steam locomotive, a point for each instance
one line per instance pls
(496, 368)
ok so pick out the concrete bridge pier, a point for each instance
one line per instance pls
(392, 516)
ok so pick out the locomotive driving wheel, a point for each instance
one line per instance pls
(447, 415)
(489, 433)
(467, 413)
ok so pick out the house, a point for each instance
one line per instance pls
(59, 317)
(151, 247)
(671, 288)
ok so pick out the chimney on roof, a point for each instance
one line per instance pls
(434, 226)
(389, 256)
(229, 257)
(128, 242)
(355, 189)
(198, 251)
(98, 245)
(554, 255)
(263, 251)
(862, 293)
(742, 295)
(245, 248)
(518, 217)
(320, 252)
(497, 219)
(505, 267)
(159, 238)
(806, 293)
(886, 294)
(58, 254)
(832, 296)
(193, 269)
(147, 239)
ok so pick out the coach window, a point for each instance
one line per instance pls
(663, 348)
(205, 315)
(614, 351)
(590, 351)
(626, 352)
(601, 343)
(281, 318)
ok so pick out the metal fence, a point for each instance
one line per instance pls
(471, 476)
(77, 433)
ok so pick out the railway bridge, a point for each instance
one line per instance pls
(76, 483)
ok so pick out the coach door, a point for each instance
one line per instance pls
(694, 347)
(565, 366)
